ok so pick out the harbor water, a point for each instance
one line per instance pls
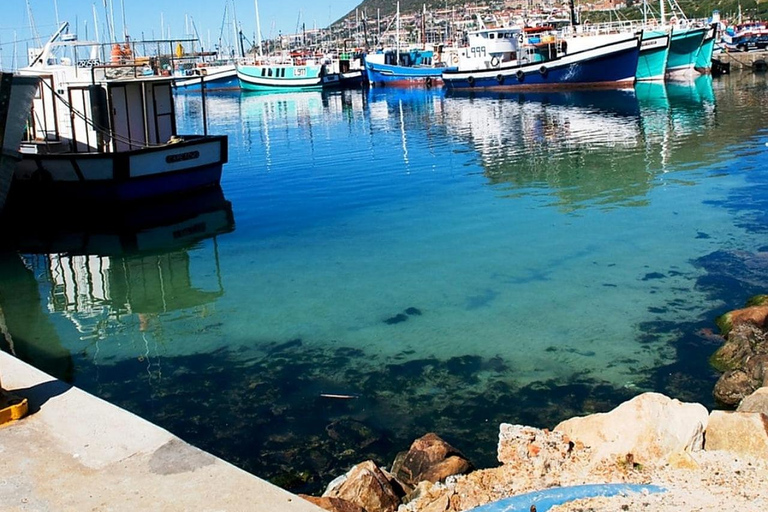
(382, 264)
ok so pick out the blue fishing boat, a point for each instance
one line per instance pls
(289, 76)
(413, 67)
(543, 62)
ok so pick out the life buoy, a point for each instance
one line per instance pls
(500, 78)
(428, 82)
(471, 81)
(544, 71)
(520, 75)
(455, 59)
(495, 62)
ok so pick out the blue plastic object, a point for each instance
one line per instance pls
(545, 500)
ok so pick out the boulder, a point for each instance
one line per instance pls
(651, 427)
(756, 315)
(333, 504)
(520, 444)
(745, 433)
(756, 402)
(430, 458)
(367, 486)
(732, 387)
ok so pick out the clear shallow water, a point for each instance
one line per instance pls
(450, 261)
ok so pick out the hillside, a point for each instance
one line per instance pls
(389, 7)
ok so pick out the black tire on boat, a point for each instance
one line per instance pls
(471, 81)
(544, 71)
(759, 65)
(520, 75)
(500, 78)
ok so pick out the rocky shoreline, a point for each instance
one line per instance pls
(705, 460)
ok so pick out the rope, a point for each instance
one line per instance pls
(99, 129)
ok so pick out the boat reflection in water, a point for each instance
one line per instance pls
(108, 273)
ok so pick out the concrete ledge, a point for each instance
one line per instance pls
(77, 452)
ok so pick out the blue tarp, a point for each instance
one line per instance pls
(544, 500)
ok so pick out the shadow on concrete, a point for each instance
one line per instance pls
(38, 394)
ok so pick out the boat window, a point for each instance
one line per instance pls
(263, 71)
(283, 73)
(492, 35)
(269, 73)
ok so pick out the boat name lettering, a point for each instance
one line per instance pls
(477, 51)
(190, 230)
(88, 63)
(182, 157)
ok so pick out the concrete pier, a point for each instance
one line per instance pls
(741, 60)
(77, 452)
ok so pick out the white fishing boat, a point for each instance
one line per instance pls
(103, 131)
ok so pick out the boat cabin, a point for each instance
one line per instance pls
(105, 117)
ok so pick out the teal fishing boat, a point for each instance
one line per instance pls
(704, 56)
(283, 77)
(654, 54)
(684, 50)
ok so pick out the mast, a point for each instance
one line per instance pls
(95, 23)
(125, 26)
(397, 33)
(662, 8)
(258, 26)
(572, 5)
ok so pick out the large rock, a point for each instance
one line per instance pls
(367, 486)
(430, 458)
(333, 504)
(745, 433)
(756, 402)
(651, 427)
(520, 444)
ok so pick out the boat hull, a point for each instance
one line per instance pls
(349, 80)
(214, 80)
(291, 78)
(380, 75)
(683, 50)
(654, 53)
(106, 178)
(610, 65)
(706, 50)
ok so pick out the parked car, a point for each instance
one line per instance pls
(753, 43)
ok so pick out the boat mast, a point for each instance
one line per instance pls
(258, 27)
(663, 11)
(397, 33)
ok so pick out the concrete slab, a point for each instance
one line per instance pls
(77, 452)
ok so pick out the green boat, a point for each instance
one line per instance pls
(654, 53)
(704, 56)
(684, 49)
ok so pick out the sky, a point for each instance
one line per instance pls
(153, 17)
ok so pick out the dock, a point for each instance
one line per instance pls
(742, 60)
(77, 452)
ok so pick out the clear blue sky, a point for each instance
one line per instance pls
(146, 16)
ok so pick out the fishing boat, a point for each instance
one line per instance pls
(406, 67)
(286, 76)
(104, 131)
(706, 50)
(16, 94)
(348, 72)
(215, 77)
(541, 60)
(684, 49)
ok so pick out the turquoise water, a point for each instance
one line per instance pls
(444, 262)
